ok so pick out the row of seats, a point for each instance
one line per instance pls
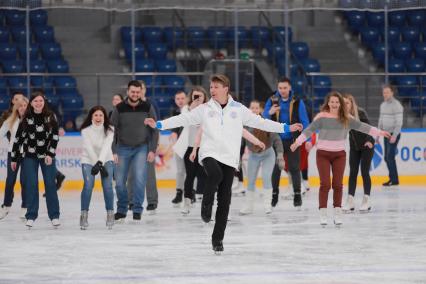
(39, 34)
(36, 66)
(48, 51)
(17, 17)
(401, 50)
(378, 4)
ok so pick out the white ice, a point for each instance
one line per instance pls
(387, 245)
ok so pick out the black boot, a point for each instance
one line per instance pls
(178, 197)
(206, 211)
(193, 199)
(119, 216)
(60, 177)
(274, 199)
(297, 201)
(217, 246)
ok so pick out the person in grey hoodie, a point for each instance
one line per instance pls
(134, 145)
(390, 120)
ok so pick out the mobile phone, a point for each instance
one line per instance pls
(275, 101)
(196, 97)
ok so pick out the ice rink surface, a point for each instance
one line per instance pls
(387, 245)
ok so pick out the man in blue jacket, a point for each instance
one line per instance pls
(287, 108)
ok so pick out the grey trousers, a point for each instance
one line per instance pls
(180, 172)
(151, 185)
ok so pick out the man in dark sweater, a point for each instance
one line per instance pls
(134, 145)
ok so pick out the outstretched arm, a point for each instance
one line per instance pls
(252, 139)
(193, 117)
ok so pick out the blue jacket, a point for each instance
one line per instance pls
(285, 113)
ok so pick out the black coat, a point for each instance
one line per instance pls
(358, 139)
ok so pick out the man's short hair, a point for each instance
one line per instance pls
(284, 80)
(135, 83)
(221, 79)
(180, 92)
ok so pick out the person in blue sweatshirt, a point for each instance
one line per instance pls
(285, 107)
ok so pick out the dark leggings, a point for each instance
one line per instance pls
(304, 174)
(219, 177)
(356, 158)
(193, 169)
(10, 184)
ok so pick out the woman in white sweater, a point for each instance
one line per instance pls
(97, 134)
(8, 130)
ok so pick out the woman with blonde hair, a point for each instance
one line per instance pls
(361, 153)
(8, 129)
(333, 124)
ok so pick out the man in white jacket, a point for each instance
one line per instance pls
(222, 120)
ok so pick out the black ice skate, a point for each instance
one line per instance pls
(217, 247)
(178, 198)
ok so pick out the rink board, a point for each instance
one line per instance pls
(410, 158)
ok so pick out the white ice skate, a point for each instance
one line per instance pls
(4, 211)
(29, 224)
(23, 213)
(305, 184)
(349, 205)
(338, 217)
(323, 217)
(365, 205)
(110, 219)
(56, 223)
(267, 199)
(84, 223)
(249, 203)
(186, 206)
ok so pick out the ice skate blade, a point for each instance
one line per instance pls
(151, 212)
(350, 211)
(365, 211)
(109, 227)
(338, 225)
(119, 221)
(217, 252)
(83, 228)
(176, 205)
(323, 225)
(298, 208)
(238, 194)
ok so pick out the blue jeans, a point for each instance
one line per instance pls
(10, 184)
(89, 182)
(133, 158)
(390, 153)
(267, 160)
(30, 171)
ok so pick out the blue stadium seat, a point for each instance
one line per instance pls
(34, 51)
(311, 65)
(51, 51)
(152, 34)
(139, 51)
(416, 17)
(4, 35)
(300, 50)
(153, 84)
(396, 66)
(44, 34)
(394, 34)
(397, 18)
(243, 36)
(196, 37)
(126, 34)
(7, 51)
(164, 104)
(42, 82)
(376, 19)
(19, 34)
(1, 17)
(58, 66)
(38, 18)
(356, 20)
(293, 68)
(321, 85)
(13, 66)
(16, 84)
(173, 37)
(402, 50)
(15, 17)
(157, 51)
(415, 65)
(166, 65)
(217, 37)
(420, 50)
(37, 66)
(298, 85)
(72, 103)
(348, 3)
(407, 85)
(275, 50)
(370, 36)
(52, 99)
(259, 36)
(3, 86)
(65, 85)
(144, 65)
(174, 83)
(418, 103)
(4, 103)
(411, 34)
(379, 53)
(279, 34)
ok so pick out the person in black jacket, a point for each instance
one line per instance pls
(361, 153)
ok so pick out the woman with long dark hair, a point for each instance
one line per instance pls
(97, 134)
(361, 153)
(35, 144)
(8, 129)
(334, 124)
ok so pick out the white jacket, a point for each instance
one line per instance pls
(96, 145)
(5, 128)
(222, 128)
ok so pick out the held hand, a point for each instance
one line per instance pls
(192, 156)
(151, 157)
(96, 168)
(294, 147)
(48, 160)
(296, 127)
(115, 156)
(274, 109)
(260, 144)
(392, 140)
(194, 104)
(280, 162)
(150, 122)
(385, 134)
(368, 144)
(13, 165)
(308, 146)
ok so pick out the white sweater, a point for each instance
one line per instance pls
(5, 128)
(96, 146)
(222, 128)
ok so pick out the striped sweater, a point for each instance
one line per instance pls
(391, 116)
(332, 133)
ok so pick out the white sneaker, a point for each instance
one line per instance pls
(239, 189)
(323, 217)
(23, 213)
(29, 224)
(4, 211)
(235, 182)
(305, 183)
(338, 216)
(267, 199)
(365, 205)
(349, 205)
(249, 203)
(186, 206)
(56, 223)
